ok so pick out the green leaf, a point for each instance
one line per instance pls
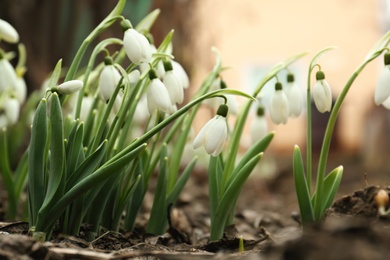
(214, 183)
(181, 182)
(158, 214)
(230, 195)
(146, 23)
(36, 162)
(55, 75)
(74, 147)
(301, 188)
(57, 150)
(331, 185)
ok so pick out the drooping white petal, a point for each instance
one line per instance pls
(141, 113)
(20, 92)
(109, 78)
(382, 90)
(322, 96)
(86, 107)
(136, 47)
(158, 97)
(134, 76)
(294, 98)
(279, 107)
(8, 32)
(179, 70)
(11, 108)
(8, 76)
(259, 128)
(174, 87)
(212, 136)
(70, 87)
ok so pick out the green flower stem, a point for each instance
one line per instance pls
(108, 21)
(243, 114)
(318, 211)
(309, 155)
(100, 47)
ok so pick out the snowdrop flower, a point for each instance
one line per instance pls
(181, 73)
(70, 87)
(322, 94)
(9, 111)
(134, 76)
(173, 84)
(159, 67)
(141, 113)
(213, 135)
(86, 105)
(259, 126)
(294, 97)
(382, 91)
(279, 105)
(108, 80)
(157, 95)
(8, 32)
(8, 76)
(136, 45)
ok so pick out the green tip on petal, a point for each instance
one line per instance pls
(320, 75)
(290, 77)
(223, 84)
(152, 74)
(223, 110)
(278, 86)
(387, 58)
(125, 25)
(168, 65)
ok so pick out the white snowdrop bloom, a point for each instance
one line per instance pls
(173, 84)
(20, 92)
(259, 126)
(214, 133)
(9, 111)
(141, 113)
(294, 97)
(382, 90)
(8, 32)
(157, 95)
(70, 87)
(108, 80)
(86, 107)
(118, 102)
(8, 76)
(279, 105)
(137, 47)
(134, 76)
(181, 73)
(322, 93)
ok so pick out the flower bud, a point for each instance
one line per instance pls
(70, 87)
(8, 32)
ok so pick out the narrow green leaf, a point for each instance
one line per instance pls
(36, 162)
(146, 23)
(227, 201)
(214, 182)
(181, 182)
(57, 150)
(331, 185)
(301, 188)
(158, 214)
(55, 75)
(74, 147)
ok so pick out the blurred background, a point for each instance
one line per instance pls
(252, 36)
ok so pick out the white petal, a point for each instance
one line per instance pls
(382, 90)
(181, 74)
(8, 76)
(136, 47)
(322, 96)
(86, 107)
(294, 97)
(20, 90)
(279, 107)
(8, 32)
(199, 139)
(174, 88)
(12, 108)
(108, 81)
(134, 76)
(70, 87)
(259, 128)
(158, 97)
(216, 136)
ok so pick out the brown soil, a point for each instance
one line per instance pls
(352, 229)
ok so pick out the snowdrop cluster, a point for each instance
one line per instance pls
(12, 85)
